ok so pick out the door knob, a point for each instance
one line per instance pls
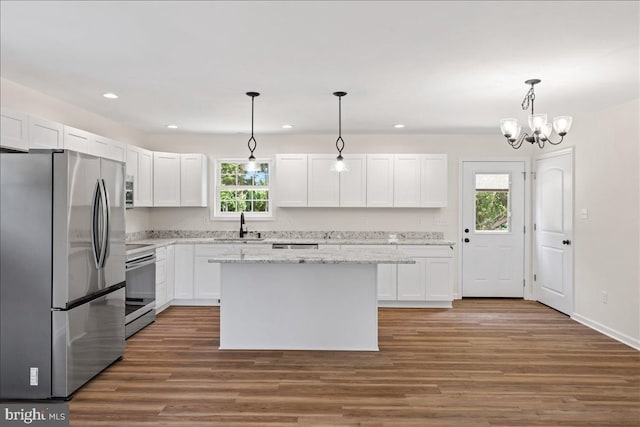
(566, 242)
(466, 240)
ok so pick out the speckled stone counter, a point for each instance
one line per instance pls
(320, 256)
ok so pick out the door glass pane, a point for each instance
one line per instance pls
(492, 202)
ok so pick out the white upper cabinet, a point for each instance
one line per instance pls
(166, 179)
(77, 140)
(14, 128)
(45, 133)
(107, 148)
(323, 185)
(291, 180)
(380, 180)
(353, 184)
(193, 180)
(406, 180)
(140, 167)
(433, 181)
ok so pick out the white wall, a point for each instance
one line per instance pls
(26, 100)
(607, 244)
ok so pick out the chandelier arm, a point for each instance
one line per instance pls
(517, 143)
(555, 143)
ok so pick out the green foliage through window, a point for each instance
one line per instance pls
(492, 210)
(243, 191)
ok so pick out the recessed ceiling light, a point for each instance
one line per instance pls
(287, 126)
(172, 126)
(398, 126)
(110, 95)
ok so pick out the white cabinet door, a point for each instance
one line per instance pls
(411, 281)
(161, 278)
(206, 283)
(439, 278)
(144, 185)
(379, 180)
(387, 280)
(291, 180)
(193, 180)
(166, 179)
(406, 180)
(107, 148)
(44, 133)
(77, 140)
(353, 184)
(14, 128)
(433, 180)
(171, 273)
(183, 275)
(323, 185)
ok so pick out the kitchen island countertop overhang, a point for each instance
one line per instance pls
(301, 300)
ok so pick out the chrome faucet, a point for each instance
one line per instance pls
(243, 229)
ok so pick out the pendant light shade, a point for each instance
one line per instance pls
(252, 165)
(340, 165)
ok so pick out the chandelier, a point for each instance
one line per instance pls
(540, 129)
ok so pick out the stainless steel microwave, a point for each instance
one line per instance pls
(128, 192)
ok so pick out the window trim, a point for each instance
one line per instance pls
(217, 214)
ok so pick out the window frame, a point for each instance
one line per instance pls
(217, 187)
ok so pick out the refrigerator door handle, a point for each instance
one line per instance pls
(95, 242)
(104, 204)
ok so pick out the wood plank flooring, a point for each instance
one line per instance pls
(485, 362)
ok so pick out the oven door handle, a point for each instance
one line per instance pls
(139, 264)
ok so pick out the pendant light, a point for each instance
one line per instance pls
(540, 128)
(252, 165)
(340, 165)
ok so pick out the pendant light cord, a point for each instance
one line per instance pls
(252, 148)
(340, 141)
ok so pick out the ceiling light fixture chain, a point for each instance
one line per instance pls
(540, 129)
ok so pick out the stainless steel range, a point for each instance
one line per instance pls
(141, 288)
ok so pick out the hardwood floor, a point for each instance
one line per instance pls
(482, 363)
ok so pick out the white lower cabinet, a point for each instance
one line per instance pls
(183, 274)
(171, 273)
(427, 283)
(161, 279)
(206, 277)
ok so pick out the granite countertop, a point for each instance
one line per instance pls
(320, 256)
(157, 243)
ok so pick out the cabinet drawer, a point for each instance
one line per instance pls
(426, 251)
(161, 253)
(211, 250)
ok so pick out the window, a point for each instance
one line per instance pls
(492, 202)
(238, 190)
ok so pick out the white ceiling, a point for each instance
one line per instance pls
(437, 67)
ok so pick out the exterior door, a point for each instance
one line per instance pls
(553, 228)
(493, 229)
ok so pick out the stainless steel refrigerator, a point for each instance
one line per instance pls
(62, 272)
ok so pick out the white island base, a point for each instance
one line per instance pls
(302, 306)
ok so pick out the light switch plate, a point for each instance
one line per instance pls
(33, 376)
(584, 213)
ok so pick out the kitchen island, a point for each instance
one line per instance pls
(283, 299)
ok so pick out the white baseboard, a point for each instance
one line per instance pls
(415, 304)
(611, 333)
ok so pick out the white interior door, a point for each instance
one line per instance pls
(553, 228)
(493, 229)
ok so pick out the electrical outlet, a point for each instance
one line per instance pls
(584, 213)
(33, 376)
(604, 297)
